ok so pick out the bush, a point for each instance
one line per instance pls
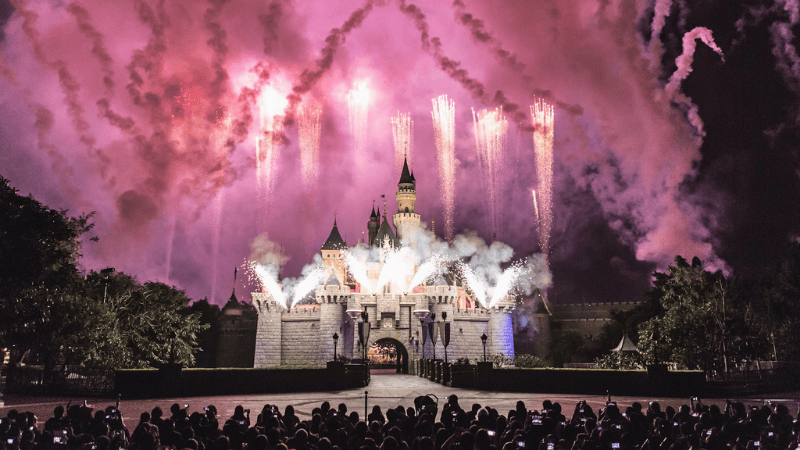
(461, 361)
(626, 361)
(529, 361)
(500, 360)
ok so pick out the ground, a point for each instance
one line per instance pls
(385, 390)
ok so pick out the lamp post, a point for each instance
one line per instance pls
(445, 335)
(433, 329)
(483, 339)
(335, 341)
(363, 332)
(421, 314)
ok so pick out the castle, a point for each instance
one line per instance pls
(303, 334)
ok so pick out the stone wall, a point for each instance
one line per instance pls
(301, 336)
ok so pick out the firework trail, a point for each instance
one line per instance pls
(444, 129)
(542, 119)
(535, 205)
(268, 145)
(219, 143)
(490, 140)
(309, 124)
(358, 107)
(403, 134)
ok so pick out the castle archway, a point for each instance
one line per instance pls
(388, 353)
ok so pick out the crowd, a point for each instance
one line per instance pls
(425, 426)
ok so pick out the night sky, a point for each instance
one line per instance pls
(660, 148)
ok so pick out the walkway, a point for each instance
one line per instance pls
(387, 391)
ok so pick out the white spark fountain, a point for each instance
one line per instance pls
(543, 120)
(403, 134)
(309, 124)
(491, 128)
(268, 276)
(444, 121)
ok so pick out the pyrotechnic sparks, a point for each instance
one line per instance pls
(535, 205)
(542, 119)
(444, 129)
(403, 134)
(490, 140)
(358, 108)
(266, 276)
(356, 260)
(309, 124)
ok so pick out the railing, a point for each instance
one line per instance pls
(73, 381)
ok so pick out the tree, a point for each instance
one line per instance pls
(704, 325)
(567, 346)
(39, 252)
(154, 320)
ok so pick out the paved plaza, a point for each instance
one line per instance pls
(387, 391)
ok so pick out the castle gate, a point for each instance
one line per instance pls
(388, 353)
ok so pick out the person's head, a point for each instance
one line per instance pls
(157, 413)
(238, 411)
(342, 409)
(144, 417)
(175, 408)
(389, 443)
(58, 412)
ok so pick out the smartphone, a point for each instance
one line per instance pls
(708, 433)
(490, 432)
(581, 410)
(675, 424)
(770, 434)
(205, 409)
(10, 441)
(520, 443)
(117, 433)
(611, 404)
(185, 405)
(241, 422)
(618, 426)
(56, 440)
(757, 443)
(551, 446)
(615, 445)
(536, 419)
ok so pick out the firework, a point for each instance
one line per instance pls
(542, 119)
(403, 134)
(490, 141)
(358, 107)
(444, 120)
(309, 123)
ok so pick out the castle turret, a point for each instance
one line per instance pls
(237, 334)
(332, 298)
(373, 225)
(332, 255)
(269, 334)
(406, 220)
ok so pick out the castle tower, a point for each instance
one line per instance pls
(269, 331)
(332, 298)
(237, 334)
(500, 329)
(332, 255)
(406, 220)
(373, 225)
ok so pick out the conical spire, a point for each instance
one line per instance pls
(405, 176)
(334, 241)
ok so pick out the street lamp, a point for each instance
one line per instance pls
(335, 341)
(433, 330)
(483, 339)
(445, 335)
